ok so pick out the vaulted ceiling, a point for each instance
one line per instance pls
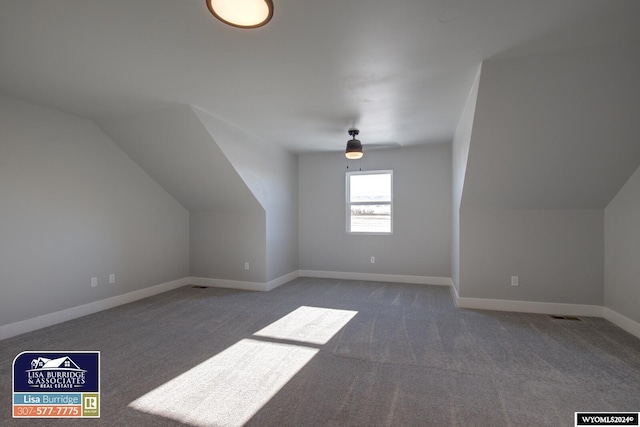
(399, 70)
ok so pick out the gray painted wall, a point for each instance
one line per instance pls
(557, 254)
(75, 206)
(554, 138)
(271, 173)
(221, 242)
(228, 223)
(421, 241)
(622, 250)
(459, 156)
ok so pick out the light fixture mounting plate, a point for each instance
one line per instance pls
(353, 132)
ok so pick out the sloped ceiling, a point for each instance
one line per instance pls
(399, 70)
(555, 131)
(176, 150)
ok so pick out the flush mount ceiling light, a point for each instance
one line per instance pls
(354, 147)
(242, 13)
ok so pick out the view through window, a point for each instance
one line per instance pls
(370, 202)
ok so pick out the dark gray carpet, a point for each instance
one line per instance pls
(407, 358)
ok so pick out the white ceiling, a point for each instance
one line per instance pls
(399, 70)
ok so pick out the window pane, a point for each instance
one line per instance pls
(370, 219)
(370, 188)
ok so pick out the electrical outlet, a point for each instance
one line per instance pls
(94, 282)
(514, 280)
(246, 265)
(112, 278)
(373, 260)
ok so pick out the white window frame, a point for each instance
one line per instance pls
(348, 202)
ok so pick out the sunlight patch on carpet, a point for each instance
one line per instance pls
(232, 386)
(313, 325)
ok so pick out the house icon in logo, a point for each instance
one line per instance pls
(60, 364)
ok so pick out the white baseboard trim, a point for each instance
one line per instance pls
(530, 307)
(229, 284)
(526, 306)
(621, 321)
(372, 277)
(28, 325)
(272, 284)
(454, 292)
(244, 285)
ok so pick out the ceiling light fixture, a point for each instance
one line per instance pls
(242, 13)
(354, 147)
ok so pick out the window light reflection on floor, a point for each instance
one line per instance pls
(308, 324)
(232, 386)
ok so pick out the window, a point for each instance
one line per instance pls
(369, 202)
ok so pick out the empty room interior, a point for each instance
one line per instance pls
(358, 213)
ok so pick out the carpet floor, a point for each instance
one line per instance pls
(320, 352)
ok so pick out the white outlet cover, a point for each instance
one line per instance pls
(514, 280)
